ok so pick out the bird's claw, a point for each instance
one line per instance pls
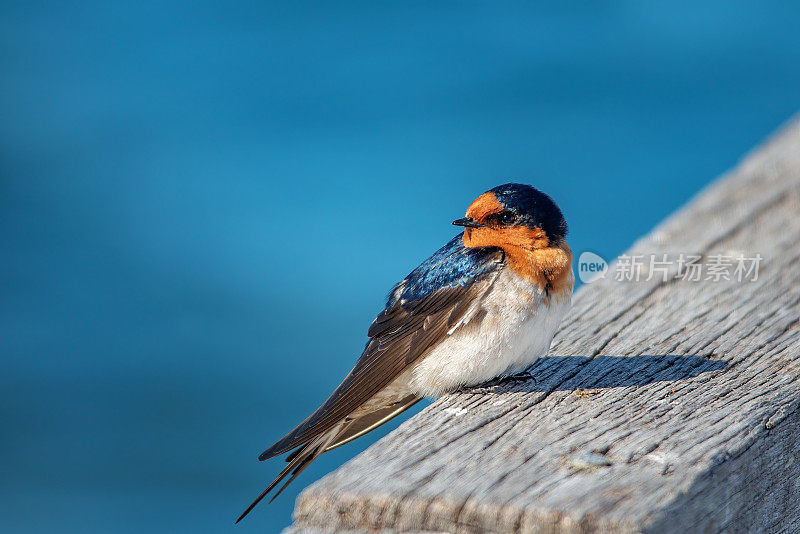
(524, 376)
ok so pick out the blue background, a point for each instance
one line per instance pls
(203, 206)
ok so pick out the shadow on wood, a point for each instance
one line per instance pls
(602, 372)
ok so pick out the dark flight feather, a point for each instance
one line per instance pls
(373, 420)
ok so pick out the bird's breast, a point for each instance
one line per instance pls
(508, 330)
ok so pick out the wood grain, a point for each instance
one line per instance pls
(664, 406)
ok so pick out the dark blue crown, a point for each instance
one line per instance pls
(534, 208)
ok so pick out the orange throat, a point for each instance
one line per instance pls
(530, 255)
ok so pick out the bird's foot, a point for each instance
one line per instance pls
(504, 381)
(524, 376)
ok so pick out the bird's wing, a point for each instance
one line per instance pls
(372, 420)
(422, 309)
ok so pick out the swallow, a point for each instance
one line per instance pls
(484, 306)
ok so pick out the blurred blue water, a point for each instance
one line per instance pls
(203, 206)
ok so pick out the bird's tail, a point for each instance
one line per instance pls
(298, 461)
(344, 432)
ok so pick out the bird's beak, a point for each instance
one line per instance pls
(468, 222)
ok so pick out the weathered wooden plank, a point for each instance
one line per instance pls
(665, 405)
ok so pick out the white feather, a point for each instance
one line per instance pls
(511, 327)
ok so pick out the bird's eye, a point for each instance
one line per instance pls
(507, 218)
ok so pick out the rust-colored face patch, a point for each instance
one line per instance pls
(483, 206)
(494, 235)
(506, 237)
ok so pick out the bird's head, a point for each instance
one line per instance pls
(513, 215)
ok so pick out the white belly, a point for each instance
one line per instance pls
(511, 329)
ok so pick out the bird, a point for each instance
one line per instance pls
(483, 307)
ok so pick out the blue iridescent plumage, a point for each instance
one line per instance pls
(450, 266)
